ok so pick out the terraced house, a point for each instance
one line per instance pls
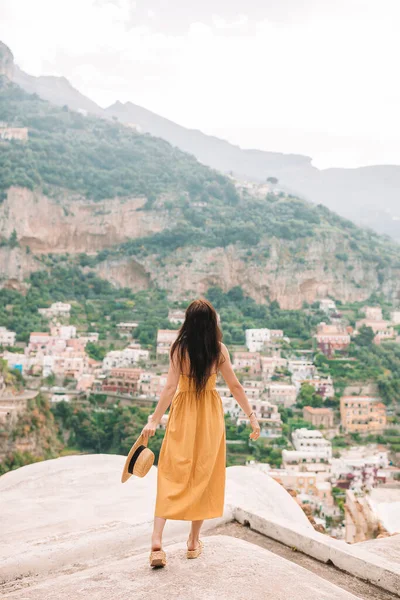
(362, 414)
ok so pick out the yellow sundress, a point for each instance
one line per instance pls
(191, 467)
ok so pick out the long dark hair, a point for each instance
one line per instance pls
(198, 342)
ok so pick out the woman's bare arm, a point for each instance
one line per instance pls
(165, 400)
(237, 390)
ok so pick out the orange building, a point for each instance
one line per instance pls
(362, 414)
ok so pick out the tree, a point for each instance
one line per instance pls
(272, 180)
(365, 336)
(95, 351)
(309, 397)
(13, 241)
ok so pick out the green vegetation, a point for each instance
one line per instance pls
(38, 425)
(309, 397)
(95, 157)
(366, 362)
(255, 224)
(99, 306)
(99, 159)
(96, 305)
(240, 312)
(102, 428)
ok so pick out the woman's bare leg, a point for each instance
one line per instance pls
(194, 535)
(158, 528)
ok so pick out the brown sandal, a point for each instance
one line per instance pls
(158, 558)
(196, 552)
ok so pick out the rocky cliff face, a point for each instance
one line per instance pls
(275, 278)
(74, 225)
(6, 62)
(34, 433)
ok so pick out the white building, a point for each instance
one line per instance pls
(165, 339)
(91, 336)
(256, 339)
(267, 415)
(324, 387)
(229, 404)
(65, 332)
(253, 389)
(395, 317)
(301, 369)
(57, 309)
(60, 398)
(373, 313)
(21, 362)
(309, 447)
(362, 466)
(7, 338)
(176, 316)
(327, 305)
(269, 364)
(126, 329)
(124, 358)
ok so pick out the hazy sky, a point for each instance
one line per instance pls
(317, 77)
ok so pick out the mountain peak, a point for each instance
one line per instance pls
(6, 61)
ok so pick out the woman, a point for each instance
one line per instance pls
(191, 467)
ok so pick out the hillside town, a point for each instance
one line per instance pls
(339, 486)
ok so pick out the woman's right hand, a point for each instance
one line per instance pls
(255, 434)
(150, 428)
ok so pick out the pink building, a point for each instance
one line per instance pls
(151, 385)
(70, 364)
(269, 364)
(383, 330)
(332, 338)
(85, 383)
(249, 361)
(38, 341)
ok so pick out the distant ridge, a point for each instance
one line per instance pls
(370, 196)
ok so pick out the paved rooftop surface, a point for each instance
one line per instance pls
(387, 547)
(229, 568)
(361, 589)
(70, 529)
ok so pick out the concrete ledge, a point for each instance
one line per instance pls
(349, 558)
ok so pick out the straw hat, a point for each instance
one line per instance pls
(139, 460)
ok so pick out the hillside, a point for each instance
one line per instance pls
(368, 196)
(96, 158)
(151, 214)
